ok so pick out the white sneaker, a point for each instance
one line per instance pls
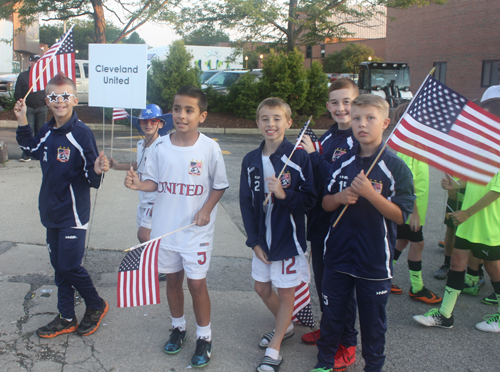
(491, 324)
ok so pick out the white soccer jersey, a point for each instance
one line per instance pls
(185, 177)
(146, 199)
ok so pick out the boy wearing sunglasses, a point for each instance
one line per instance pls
(70, 165)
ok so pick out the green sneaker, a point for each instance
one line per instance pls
(473, 291)
(491, 324)
(490, 300)
(321, 369)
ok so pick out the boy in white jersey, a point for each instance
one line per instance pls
(150, 121)
(187, 171)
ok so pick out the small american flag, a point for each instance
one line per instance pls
(447, 131)
(314, 139)
(138, 277)
(60, 57)
(302, 309)
(119, 114)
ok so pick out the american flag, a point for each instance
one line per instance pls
(447, 131)
(119, 113)
(138, 277)
(314, 139)
(60, 57)
(302, 309)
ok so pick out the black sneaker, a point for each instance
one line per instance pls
(92, 319)
(202, 353)
(174, 343)
(57, 327)
(24, 158)
(490, 300)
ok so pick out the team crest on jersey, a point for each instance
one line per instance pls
(286, 180)
(63, 154)
(377, 186)
(337, 154)
(195, 167)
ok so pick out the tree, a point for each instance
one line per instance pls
(136, 13)
(165, 77)
(286, 24)
(205, 36)
(83, 35)
(350, 56)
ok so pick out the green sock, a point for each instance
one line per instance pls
(394, 262)
(471, 280)
(449, 301)
(417, 284)
(498, 299)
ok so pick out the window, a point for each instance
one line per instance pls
(86, 69)
(77, 71)
(309, 51)
(323, 51)
(440, 73)
(490, 73)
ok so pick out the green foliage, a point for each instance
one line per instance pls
(216, 102)
(205, 35)
(83, 35)
(345, 60)
(8, 102)
(165, 77)
(284, 77)
(317, 93)
(244, 96)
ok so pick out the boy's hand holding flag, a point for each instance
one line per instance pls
(309, 138)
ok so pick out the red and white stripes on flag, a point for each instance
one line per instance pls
(314, 139)
(119, 114)
(447, 131)
(138, 277)
(302, 309)
(60, 57)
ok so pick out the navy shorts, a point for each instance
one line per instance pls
(404, 232)
(482, 251)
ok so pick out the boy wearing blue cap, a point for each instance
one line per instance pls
(152, 123)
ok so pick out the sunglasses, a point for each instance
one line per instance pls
(151, 122)
(65, 96)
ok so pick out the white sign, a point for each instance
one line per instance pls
(117, 75)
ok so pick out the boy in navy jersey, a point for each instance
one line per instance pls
(276, 230)
(359, 249)
(335, 142)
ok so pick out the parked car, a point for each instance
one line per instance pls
(7, 84)
(205, 75)
(224, 79)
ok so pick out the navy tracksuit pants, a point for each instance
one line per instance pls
(372, 296)
(66, 248)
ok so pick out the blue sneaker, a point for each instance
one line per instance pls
(202, 353)
(174, 343)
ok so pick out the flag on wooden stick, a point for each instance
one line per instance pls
(119, 114)
(138, 277)
(60, 57)
(449, 132)
(314, 139)
(302, 309)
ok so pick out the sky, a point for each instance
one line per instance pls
(157, 35)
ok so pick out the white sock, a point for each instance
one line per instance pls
(179, 323)
(204, 332)
(272, 353)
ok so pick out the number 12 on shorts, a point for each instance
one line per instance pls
(287, 266)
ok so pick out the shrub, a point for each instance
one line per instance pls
(166, 77)
(317, 93)
(8, 102)
(244, 97)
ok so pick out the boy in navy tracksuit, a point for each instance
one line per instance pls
(70, 165)
(359, 249)
(335, 142)
(276, 230)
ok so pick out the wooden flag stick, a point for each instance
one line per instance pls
(112, 134)
(158, 238)
(38, 77)
(385, 145)
(294, 148)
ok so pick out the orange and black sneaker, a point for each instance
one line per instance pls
(396, 290)
(425, 296)
(57, 327)
(92, 319)
(311, 338)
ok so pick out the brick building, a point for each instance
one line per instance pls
(460, 38)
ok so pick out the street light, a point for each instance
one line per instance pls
(369, 58)
(246, 61)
